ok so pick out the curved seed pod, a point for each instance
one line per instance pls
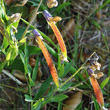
(96, 87)
(97, 90)
(47, 57)
(57, 33)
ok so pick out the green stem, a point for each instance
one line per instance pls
(66, 81)
(42, 34)
(76, 71)
(32, 19)
(70, 77)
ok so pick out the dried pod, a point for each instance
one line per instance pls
(19, 75)
(32, 61)
(55, 19)
(52, 3)
(99, 75)
(73, 101)
(96, 66)
(14, 18)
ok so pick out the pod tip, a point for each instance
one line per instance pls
(35, 32)
(47, 15)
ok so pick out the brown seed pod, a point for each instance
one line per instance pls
(55, 19)
(32, 61)
(52, 3)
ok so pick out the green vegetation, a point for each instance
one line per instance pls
(25, 79)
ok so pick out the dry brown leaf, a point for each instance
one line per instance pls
(18, 74)
(23, 2)
(8, 2)
(73, 101)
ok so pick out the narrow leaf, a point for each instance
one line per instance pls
(28, 98)
(58, 98)
(34, 74)
(43, 88)
(104, 83)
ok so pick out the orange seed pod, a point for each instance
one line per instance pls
(57, 33)
(47, 57)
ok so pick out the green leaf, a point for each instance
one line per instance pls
(21, 9)
(33, 3)
(47, 38)
(51, 50)
(103, 5)
(2, 65)
(22, 56)
(42, 34)
(14, 51)
(67, 68)
(104, 83)
(96, 24)
(22, 41)
(20, 32)
(61, 71)
(58, 98)
(32, 83)
(5, 43)
(28, 98)
(2, 11)
(43, 88)
(32, 50)
(26, 57)
(59, 106)
(96, 105)
(34, 74)
(8, 56)
(109, 69)
(65, 87)
(38, 104)
(16, 64)
(61, 7)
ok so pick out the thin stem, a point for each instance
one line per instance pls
(76, 71)
(12, 77)
(71, 77)
(32, 19)
(42, 34)
(46, 100)
(17, 89)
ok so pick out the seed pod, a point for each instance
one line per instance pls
(47, 57)
(57, 33)
(97, 91)
(52, 3)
